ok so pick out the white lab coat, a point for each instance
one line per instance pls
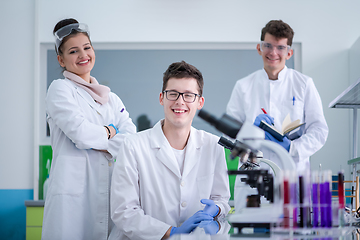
(77, 202)
(257, 91)
(148, 193)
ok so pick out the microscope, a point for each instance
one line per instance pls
(252, 181)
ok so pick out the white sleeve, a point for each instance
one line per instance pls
(125, 126)
(126, 211)
(64, 110)
(234, 107)
(316, 131)
(220, 193)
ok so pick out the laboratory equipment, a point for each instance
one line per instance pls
(249, 139)
(252, 184)
(292, 209)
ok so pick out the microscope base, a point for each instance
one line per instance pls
(265, 227)
(261, 218)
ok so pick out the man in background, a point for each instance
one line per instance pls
(280, 91)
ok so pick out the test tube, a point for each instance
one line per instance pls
(304, 199)
(341, 190)
(315, 198)
(293, 197)
(286, 222)
(341, 198)
(325, 199)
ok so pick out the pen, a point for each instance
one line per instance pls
(266, 113)
(293, 100)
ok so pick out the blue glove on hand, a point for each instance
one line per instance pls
(112, 125)
(285, 143)
(210, 227)
(191, 223)
(210, 207)
(263, 117)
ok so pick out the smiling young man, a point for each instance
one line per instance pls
(280, 91)
(171, 178)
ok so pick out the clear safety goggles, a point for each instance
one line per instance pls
(279, 49)
(67, 30)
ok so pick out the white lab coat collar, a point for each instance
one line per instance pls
(86, 96)
(281, 75)
(166, 154)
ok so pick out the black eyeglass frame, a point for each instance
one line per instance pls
(182, 95)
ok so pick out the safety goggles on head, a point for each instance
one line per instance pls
(67, 30)
(279, 49)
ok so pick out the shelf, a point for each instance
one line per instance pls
(354, 161)
(350, 98)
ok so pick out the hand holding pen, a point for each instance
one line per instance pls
(272, 123)
(263, 117)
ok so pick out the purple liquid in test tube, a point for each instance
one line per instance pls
(328, 199)
(315, 198)
(325, 199)
(328, 207)
(323, 204)
(293, 201)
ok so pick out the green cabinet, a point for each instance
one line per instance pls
(232, 164)
(34, 219)
(45, 154)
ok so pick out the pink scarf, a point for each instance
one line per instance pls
(99, 93)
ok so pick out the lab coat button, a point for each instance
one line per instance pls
(110, 164)
(183, 204)
(182, 183)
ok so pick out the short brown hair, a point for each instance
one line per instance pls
(278, 29)
(183, 70)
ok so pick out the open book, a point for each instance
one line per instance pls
(286, 130)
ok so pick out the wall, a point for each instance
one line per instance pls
(354, 75)
(17, 117)
(354, 61)
(326, 30)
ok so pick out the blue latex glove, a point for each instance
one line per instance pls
(263, 117)
(210, 227)
(285, 143)
(117, 130)
(210, 207)
(191, 223)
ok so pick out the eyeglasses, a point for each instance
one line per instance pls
(173, 95)
(280, 49)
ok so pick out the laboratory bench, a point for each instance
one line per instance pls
(35, 211)
(350, 233)
(34, 219)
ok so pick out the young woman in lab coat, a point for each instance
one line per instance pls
(169, 171)
(87, 125)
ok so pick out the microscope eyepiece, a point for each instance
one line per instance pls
(208, 117)
(226, 143)
(225, 124)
